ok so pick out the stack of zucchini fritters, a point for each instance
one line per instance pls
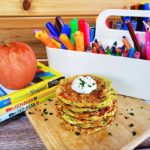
(86, 113)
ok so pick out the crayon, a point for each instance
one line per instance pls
(113, 48)
(108, 50)
(66, 41)
(125, 53)
(79, 41)
(137, 55)
(94, 50)
(118, 52)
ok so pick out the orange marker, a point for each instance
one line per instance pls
(43, 36)
(126, 43)
(66, 41)
(79, 41)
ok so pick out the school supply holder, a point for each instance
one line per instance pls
(129, 76)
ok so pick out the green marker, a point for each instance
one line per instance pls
(74, 25)
(72, 38)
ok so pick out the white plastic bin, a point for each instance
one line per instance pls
(129, 76)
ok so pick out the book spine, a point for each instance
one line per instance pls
(25, 93)
(28, 100)
(17, 111)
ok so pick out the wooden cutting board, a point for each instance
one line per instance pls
(131, 126)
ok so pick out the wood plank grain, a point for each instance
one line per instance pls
(54, 136)
(61, 7)
(17, 133)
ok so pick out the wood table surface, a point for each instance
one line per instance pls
(18, 134)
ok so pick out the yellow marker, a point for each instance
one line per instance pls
(43, 36)
(79, 41)
(66, 41)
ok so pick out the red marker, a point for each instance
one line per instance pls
(85, 29)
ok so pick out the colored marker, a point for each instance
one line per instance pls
(147, 46)
(66, 41)
(51, 29)
(44, 37)
(146, 26)
(59, 22)
(74, 25)
(134, 24)
(79, 41)
(133, 36)
(66, 29)
(92, 33)
(94, 50)
(84, 28)
(89, 49)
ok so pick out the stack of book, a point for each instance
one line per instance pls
(42, 88)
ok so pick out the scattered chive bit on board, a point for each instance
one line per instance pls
(77, 133)
(132, 114)
(126, 117)
(30, 113)
(50, 113)
(133, 133)
(45, 111)
(109, 133)
(131, 125)
(45, 119)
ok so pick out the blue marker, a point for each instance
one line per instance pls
(66, 29)
(134, 24)
(125, 19)
(52, 29)
(92, 33)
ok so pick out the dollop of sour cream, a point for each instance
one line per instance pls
(84, 85)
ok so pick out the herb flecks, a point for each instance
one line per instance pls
(109, 133)
(133, 133)
(131, 125)
(141, 107)
(30, 113)
(82, 82)
(126, 117)
(45, 111)
(77, 133)
(50, 113)
(132, 114)
(45, 119)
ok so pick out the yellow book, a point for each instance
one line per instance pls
(29, 101)
(45, 78)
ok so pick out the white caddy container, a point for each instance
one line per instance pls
(129, 76)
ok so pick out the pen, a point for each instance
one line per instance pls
(66, 29)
